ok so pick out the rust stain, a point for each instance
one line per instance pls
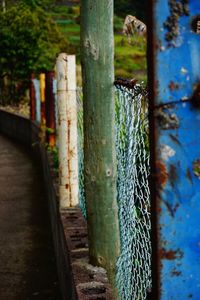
(170, 254)
(161, 173)
(67, 186)
(175, 272)
(173, 86)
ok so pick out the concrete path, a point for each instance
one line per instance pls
(27, 263)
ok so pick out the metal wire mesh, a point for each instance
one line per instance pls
(79, 97)
(133, 266)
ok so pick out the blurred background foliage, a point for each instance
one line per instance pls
(32, 32)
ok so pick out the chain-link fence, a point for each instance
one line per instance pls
(133, 267)
(79, 97)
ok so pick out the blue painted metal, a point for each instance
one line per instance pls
(178, 66)
(176, 154)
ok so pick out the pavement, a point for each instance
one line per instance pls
(27, 260)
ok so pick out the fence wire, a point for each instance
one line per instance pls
(79, 98)
(133, 267)
(134, 263)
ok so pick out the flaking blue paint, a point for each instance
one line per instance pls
(177, 72)
(179, 64)
(180, 206)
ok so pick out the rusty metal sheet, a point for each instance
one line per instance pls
(175, 148)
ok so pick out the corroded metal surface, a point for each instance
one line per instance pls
(177, 60)
(175, 149)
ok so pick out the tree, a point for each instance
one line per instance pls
(29, 42)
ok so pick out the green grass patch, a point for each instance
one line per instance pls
(130, 58)
(70, 28)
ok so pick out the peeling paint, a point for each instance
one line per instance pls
(184, 71)
(166, 152)
(177, 10)
(166, 120)
(171, 254)
(161, 173)
(173, 86)
(195, 25)
(174, 129)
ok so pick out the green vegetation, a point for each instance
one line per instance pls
(130, 58)
(29, 42)
(32, 32)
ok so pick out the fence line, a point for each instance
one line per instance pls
(134, 264)
(133, 276)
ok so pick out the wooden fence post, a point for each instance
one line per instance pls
(72, 130)
(50, 109)
(97, 42)
(67, 130)
(36, 84)
(42, 99)
(56, 109)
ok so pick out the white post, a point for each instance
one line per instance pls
(67, 130)
(72, 129)
(61, 75)
(36, 84)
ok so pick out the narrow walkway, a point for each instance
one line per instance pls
(27, 262)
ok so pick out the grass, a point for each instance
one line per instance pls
(130, 59)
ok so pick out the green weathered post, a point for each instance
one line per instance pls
(97, 44)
